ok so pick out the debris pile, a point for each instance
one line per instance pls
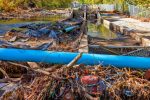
(45, 36)
(95, 82)
(74, 82)
(40, 81)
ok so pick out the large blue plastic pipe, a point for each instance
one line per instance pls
(65, 57)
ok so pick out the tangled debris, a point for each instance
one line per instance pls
(74, 82)
(38, 81)
(45, 36)
(96, 82)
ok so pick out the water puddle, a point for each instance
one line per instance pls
(100, 31)
(104, 41)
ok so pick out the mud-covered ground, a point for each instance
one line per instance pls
(32, 13)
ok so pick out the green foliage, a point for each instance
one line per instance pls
(90, 1)
(8, 5)
(134, 2)
(96, 1)
(139, 2)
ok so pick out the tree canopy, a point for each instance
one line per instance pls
(12, 4)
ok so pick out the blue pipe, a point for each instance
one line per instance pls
(53, 57)
(68, 29)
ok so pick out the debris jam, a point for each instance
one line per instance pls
(36, 81)
(56, 36)
(40, 81)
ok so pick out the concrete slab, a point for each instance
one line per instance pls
(129, 26)
(84, 44)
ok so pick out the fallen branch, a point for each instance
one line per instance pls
(5, 80)
(55, 76)
(75, 60)
(4, 73)
(89, 97)
(33, 65)
(42, 71)
(28, 68)
(37, 70)
(20, 65)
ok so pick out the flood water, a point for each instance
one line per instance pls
(6, 25)
(100, 31)
(94, 30)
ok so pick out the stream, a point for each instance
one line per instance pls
(94, 30)
(8, 24)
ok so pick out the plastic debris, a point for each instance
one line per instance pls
(68, 29)
(53, 34)
(90, 82)
(33, 33)
(44, 46)
(128, 93)
(44, 30)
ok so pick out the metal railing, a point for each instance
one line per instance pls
(138, 11)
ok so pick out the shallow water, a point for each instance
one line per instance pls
(94, 30)
(100, 31)
(6, 25)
